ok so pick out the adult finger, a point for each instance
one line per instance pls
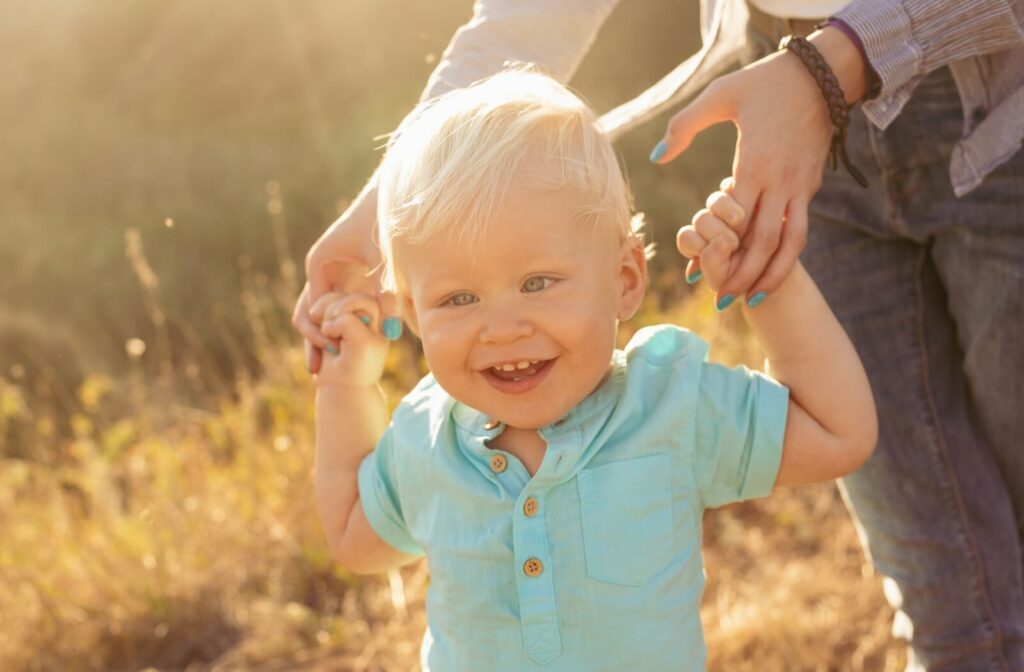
(794, 239)
(391, 327)
(693, 271)
(309, 329)
(760, 243)
(747, 194)
(314, 355)
(712, 106)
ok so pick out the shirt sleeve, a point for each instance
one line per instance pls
(740, 426)
(553, 34)
(378, 493)
(907, 39)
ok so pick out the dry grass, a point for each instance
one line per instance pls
(169, 537)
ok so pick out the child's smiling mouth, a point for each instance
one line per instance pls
(517, 377)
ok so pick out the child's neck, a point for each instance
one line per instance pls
(526, 444)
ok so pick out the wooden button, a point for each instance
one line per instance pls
(491, 424)
(498, 463)
(531, 506)
(533, 567)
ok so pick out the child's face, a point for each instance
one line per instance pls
(540, 292)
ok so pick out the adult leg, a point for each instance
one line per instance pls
(932, 504)
(980, 259)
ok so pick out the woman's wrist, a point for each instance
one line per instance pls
(846, 60)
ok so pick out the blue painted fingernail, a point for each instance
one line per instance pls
(331, 349)
(697, 275)
(392, 328)
(365, 319)
(725, 302)
(659, 150)
(756, 299)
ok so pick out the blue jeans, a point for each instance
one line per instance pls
(930, 289)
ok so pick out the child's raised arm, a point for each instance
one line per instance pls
(832, 426)
(351, 415)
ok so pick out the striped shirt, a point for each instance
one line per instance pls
(982, 42)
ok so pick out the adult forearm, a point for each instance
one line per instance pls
(349, 422)
(807, 350)
(554, 36)
(845, 59)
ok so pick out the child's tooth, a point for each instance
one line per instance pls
(534, 361)
(508, 367)
(523, 365)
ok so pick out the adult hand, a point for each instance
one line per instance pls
(345, 259)
(784, 132)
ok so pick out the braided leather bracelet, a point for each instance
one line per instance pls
(838, 110)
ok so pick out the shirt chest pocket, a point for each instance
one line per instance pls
(626, 516)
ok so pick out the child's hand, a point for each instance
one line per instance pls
(358, 351)
(712, 239)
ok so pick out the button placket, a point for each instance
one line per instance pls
(538, 609)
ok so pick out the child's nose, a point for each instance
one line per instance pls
(503, 326)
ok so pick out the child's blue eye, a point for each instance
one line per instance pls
(537, 283)
(460, 299)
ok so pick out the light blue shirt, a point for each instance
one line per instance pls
(606, 574)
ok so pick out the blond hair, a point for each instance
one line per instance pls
(449, 163)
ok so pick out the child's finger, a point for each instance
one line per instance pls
(316, 311)
(714, 261)
(363, 306)
(348, 328)
(727, 184)
(710, 227)
(725, 207)
(689, 242)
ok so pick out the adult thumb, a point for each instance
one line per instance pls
(709, 108)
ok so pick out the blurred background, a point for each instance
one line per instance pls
(165, 168)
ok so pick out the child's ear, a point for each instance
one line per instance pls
(632, 278)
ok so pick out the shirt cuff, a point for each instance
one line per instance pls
(769, 436)
(884, 29)
(383, 523)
